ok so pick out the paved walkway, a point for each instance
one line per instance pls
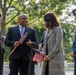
(68, 71)
(37, 70)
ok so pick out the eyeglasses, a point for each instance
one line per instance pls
(24, 19)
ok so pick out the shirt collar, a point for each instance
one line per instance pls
(20, 26)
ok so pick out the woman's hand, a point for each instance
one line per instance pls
(40, 46)
(46, 58)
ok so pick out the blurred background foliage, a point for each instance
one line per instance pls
(35, 9)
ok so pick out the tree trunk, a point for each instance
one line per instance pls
(3, 28)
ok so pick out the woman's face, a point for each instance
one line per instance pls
(47, 25)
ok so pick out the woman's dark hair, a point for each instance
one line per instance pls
(51, 19)
(0, 15)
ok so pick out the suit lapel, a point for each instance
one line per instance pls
(18, 31)
(26, 29)
(49, 34)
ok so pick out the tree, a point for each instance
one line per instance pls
(35, 9)
(11, 8)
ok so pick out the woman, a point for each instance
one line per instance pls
(52, 46)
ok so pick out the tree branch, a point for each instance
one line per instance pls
(12, 18)
(9, 5)
(15, 15)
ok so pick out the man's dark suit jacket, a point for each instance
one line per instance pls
(23, 50)
(1, 56)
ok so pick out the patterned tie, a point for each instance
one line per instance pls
(22, 31)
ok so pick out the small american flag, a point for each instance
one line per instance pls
(38, 57)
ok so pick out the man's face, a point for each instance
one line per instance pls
(23, 20)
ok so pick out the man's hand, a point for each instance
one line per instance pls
(3, 38)
(72, 54)
(17, 43)
(28, 43)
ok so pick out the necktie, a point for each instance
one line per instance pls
(22, 31)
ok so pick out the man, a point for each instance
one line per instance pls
(20, 59)
(1, 51)
(1, 54)
(1, 58)
(73, 53)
